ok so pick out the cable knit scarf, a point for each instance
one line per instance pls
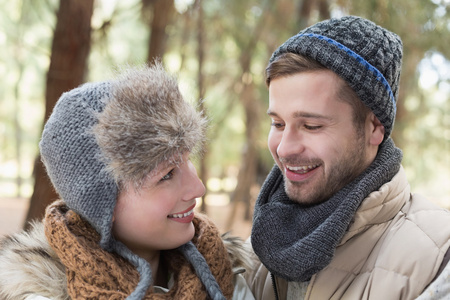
(294, 241)
(93, 273)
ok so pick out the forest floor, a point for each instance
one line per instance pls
(13, 212)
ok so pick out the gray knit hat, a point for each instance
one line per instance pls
(100, 135)
(368, 57)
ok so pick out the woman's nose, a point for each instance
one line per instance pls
(196, 188)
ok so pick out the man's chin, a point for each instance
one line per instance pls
(303, 196)
(302, 199)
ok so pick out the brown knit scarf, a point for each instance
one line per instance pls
(93, 273)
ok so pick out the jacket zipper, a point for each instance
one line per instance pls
(274, 285)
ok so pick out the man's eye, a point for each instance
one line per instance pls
(277, 125)
(168, 175)
(310, 127)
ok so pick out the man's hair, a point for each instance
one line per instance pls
(290, 63)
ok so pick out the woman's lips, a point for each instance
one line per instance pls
(185, 216)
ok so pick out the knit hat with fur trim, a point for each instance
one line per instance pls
(368, 57)
(101, 135)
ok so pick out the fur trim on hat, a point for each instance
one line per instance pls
(146, 122)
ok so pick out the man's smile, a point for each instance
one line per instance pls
(301, 169)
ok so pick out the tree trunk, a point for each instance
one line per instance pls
(203, 174)
(68, 64)
(324, 9)
(162, 15)
(247, 172)
(408, 83)
(249, 161)
(18, 134)
(18, 131)
(187, 28)
(304, 13)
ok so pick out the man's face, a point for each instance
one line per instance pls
(313, 137)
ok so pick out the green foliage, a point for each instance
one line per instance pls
(239, 38)
(25, 38)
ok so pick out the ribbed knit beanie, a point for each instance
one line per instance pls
(100, 135)
(368, 57)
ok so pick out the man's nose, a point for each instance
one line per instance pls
(292, 143)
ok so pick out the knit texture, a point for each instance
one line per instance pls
(71, 156)
(296, 241)
(368, 57)
(93, 273)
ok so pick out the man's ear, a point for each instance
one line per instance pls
(376, 133)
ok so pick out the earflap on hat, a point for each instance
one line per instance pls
(70, 154)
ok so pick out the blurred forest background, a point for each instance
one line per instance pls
(219, 50)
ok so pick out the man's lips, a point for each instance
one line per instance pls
(300, 173)
(302, 169)
(184, 216)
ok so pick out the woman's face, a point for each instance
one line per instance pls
(159, 215)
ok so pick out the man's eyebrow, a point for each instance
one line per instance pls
(271, 113)
(301, 114)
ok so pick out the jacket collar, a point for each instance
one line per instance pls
(380, 205)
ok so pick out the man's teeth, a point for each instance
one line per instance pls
(181, 215)
(302, 168)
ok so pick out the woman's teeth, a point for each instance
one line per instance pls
(181, 215)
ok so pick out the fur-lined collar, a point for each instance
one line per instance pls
(30, 266)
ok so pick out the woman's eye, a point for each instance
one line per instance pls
(168, 175)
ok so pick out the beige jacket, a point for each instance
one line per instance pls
(392, 250)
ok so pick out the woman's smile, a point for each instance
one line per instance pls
(185, 216)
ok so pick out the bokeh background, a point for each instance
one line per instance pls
(219, 50)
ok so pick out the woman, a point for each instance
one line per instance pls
(118, 153)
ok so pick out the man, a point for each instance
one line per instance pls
(335, 218)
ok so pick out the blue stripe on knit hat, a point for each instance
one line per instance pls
(379, 76)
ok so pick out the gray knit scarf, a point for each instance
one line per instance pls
(295, 241)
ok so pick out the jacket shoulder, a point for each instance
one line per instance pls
(430, 219)
(30, 266)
